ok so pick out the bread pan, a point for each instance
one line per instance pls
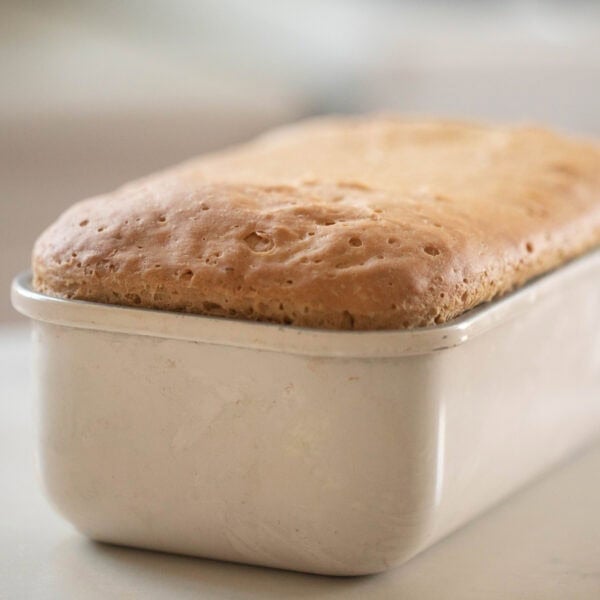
(321, 451)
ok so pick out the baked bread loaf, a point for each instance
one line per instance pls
(340, 223)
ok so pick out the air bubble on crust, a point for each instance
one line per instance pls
(134, 298)
(355, 241)
(529, 247)
(347, 320)
(186, 275)
(259, 242)
(431, 250)
(162, 219)
(353, 185)
(211, 305)
(564, 169)
(84, 223)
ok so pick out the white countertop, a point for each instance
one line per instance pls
(543, 543)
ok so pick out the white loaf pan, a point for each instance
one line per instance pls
(329, 452)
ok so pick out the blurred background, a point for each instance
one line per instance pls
(95, 93)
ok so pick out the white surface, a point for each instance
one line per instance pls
(543, 543)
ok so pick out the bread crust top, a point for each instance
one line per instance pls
(339, 223)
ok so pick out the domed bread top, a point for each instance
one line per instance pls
(339, 223)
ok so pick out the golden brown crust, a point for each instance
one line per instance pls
(365, 223)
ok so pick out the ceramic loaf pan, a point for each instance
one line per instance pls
(328, 452)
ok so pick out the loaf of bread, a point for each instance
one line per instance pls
(340, 223)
